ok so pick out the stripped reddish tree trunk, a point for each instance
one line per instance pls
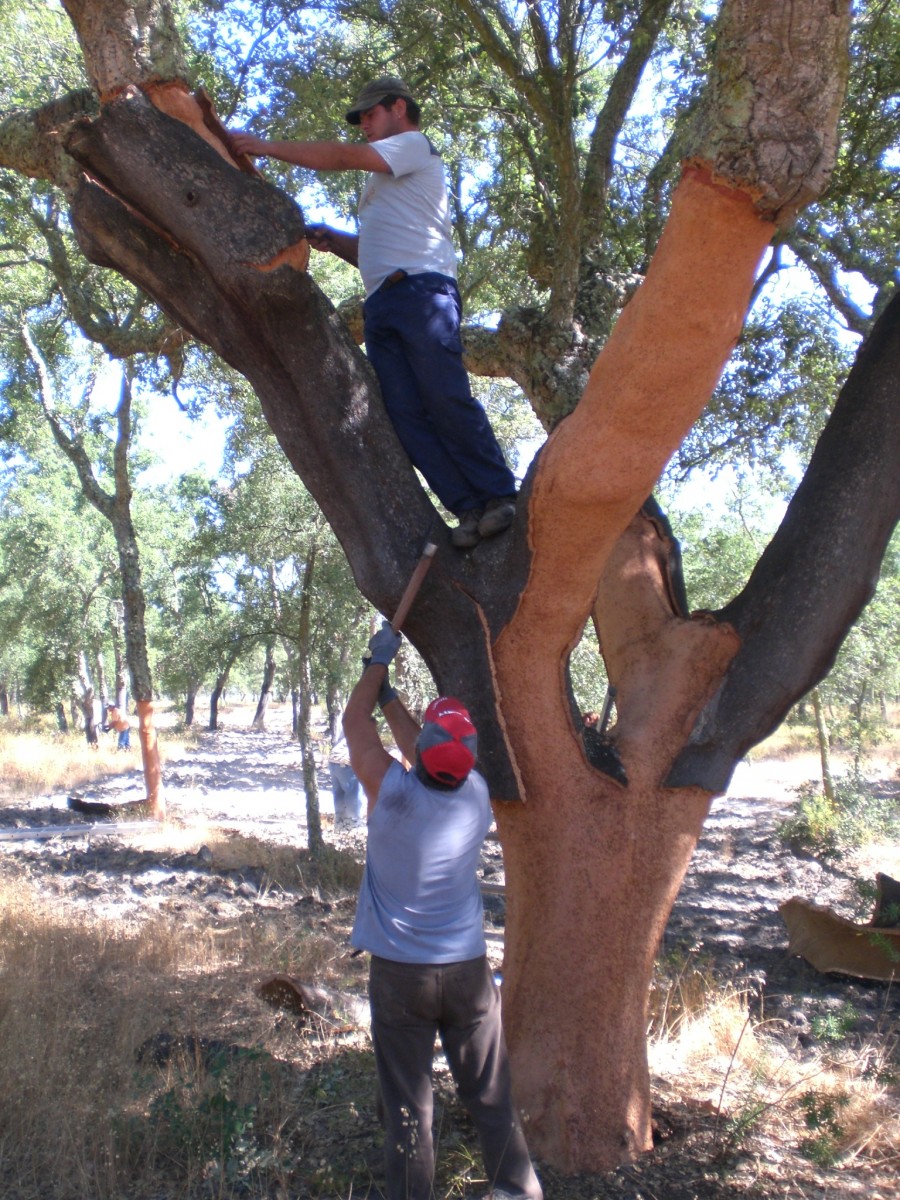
(596, 470)
(594, 857)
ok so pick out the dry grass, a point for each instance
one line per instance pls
(238, 1104)
(84, 1116)
(37, 761)
(833, 1105)
(285, 867)
(793, 739)
(82, 1119)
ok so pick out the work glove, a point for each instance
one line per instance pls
(383, 646)
(386, 693)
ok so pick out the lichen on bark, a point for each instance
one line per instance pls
(768, 120)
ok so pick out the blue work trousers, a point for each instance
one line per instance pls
(413, 342)
(411, 1003)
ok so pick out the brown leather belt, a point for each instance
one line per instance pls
(394, 277)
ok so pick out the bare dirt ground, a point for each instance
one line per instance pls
(725, 919)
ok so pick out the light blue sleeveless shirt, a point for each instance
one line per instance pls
(420, 899)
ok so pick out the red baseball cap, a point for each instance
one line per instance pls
(448, 743)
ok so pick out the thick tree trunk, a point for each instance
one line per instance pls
(593, 866)
(588, 854)
(189, 703)
(584, 921)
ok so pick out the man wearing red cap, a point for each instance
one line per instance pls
(420, 916)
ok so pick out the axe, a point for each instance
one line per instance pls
(412, 588)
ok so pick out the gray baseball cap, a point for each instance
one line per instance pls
(376, 91)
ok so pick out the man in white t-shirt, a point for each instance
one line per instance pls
(404, 252)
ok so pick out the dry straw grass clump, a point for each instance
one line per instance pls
(833, 1105)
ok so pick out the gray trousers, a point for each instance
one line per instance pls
(411, 1003)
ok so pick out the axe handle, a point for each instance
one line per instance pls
(412, 588)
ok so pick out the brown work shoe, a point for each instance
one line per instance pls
(499, 514)
(466, 534)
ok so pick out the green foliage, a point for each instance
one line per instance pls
(746, 1118)
(821, 1114)
(775, 395)
(208, 1120)
(587, 674)
(504, 110)
(867, 669)
(829, 829)
(720, 548)
(833, 1027)
(37, 36)
(56, 591)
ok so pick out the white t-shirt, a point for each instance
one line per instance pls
(404, 215)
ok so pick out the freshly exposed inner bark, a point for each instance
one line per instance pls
(150, 757)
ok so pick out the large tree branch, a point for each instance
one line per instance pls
(30, 141)
(619, 98)
(817, 573)
(504, 53)
(127, 42)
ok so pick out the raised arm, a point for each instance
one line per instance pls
(316, 156)
(368, 758)
(405, 729)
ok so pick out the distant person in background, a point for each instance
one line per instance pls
(116, 719)
(344, 786)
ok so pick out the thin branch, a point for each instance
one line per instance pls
(611, 117)
(71, 447)
(503, 55)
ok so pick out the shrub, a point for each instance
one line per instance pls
(828, 829)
